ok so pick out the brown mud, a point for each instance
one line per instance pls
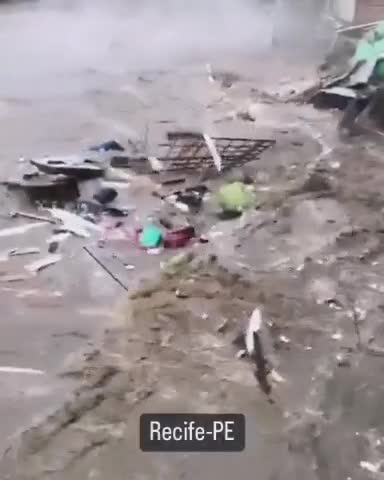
(311, 257)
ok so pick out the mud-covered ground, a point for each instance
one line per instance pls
(311, 258)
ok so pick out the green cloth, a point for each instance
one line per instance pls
(379, 31)
(151, 237)
(369, 51)
(379, 70)
(371, 47)
(235, 197)
(365, 51)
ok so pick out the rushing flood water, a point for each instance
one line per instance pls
(70, 70)
(48, 48)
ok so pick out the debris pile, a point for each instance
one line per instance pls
(286, 309)
(60, 187)
(353, 82)
(191, 151)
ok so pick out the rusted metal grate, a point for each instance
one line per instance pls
(188, 151)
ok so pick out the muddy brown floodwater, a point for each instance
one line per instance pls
(74, 75)
(310, 257)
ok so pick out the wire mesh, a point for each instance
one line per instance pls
(190, 152)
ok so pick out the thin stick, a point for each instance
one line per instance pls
(105, 269)
(32, 216)
(357, 27)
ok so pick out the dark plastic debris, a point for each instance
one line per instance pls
(166, 223)
(48, 188)
(116, 211)
(53, 247)
(105, 195)
(371, 119)
(172, 181)
(71, 166)
(107, 146)
(229, 215)
(85, 207)
(192, 196)
(139, 165)
(32, 173)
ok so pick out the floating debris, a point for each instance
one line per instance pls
(56, 240)
(172, 181)
(254, 326)
(74, 223)
(255, 351)
(179, 205)
(20, 230)
(151, 237)
(194, 151)
(213, 151)
(73, 166)
(180, 294)
(284, 339)
(236, 197)
(276, 377)
(106, 269)
(115, 175)
(241, 353)
(13, 278)
(156, 164)
(179, 238)
(370, 467)
(105, 195)
(30, 371)
(189, 151)
(191, 197)
(337, 336)
(118, 211)
(342, 360)
(24, 251)
(138, 164)
(222, 328)
(110, 145)
(32, 216)
(48, 187)
(43, 263)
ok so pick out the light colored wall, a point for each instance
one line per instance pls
(345, 9)
(369, 11)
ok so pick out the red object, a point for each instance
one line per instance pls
(179, 238)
